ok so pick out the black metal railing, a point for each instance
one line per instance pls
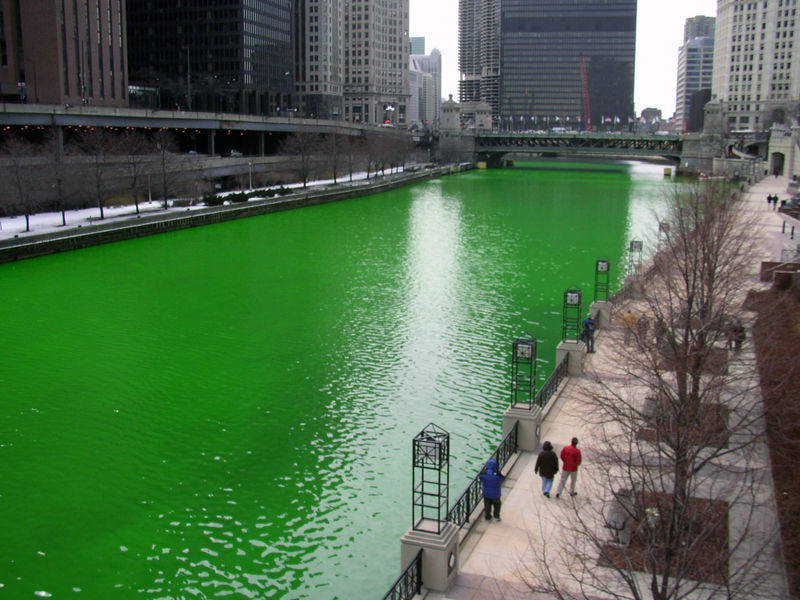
(409, 583)
(473, 495)
(551, 385)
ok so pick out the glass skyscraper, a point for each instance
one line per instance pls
(216, 55)
(541, 46)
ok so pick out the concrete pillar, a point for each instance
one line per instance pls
(261, 144)
(577, 352)
(529, 425)
(211, 150)
(601, 311)
(440, 555)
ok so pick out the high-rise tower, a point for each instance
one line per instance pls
(695, 64)
(376, 61)
(540, 49)
(756, 62)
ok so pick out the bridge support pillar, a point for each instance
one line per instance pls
(211, 150)
(261, 144)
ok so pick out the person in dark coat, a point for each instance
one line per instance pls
(589, 326)
(491, 480)
(546, 467)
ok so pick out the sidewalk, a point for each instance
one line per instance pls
(502, 560)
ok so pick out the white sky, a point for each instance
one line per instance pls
(659, 35)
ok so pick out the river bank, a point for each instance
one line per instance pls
(49, 235)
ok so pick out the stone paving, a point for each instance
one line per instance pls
(502, 559)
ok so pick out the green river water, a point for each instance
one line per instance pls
(228, 410)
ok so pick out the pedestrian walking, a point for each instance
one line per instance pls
(571, 460)
(642, 325)
(589, 326)
(769, 201)
(491, 482)
(628, 322)
(739, 335)
(546, 467)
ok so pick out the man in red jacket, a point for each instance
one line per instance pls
(571, 457)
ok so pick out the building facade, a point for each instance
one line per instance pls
(695, 65)
(756, 63)
(376, 57)
(478, 56)
(431, 65)
(545, 49)
(213, 55)
(319, 57)
(62, 52)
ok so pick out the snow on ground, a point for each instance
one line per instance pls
(43, 223)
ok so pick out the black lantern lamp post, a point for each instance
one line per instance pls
(431, 479)
(523, 372)
(571, 314)
(602, 276)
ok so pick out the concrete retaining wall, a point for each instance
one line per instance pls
(105, 233)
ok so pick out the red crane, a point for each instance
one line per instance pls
(587, 114)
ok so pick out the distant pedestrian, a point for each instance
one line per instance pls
(775, 202)
(546, 467)
(571, 460)
(739, 335)
(628, 322)
(769, 201)
(642, 325)
(661, 332)
(491, 482)
(589, 326)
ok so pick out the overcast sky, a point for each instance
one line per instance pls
(659, 34)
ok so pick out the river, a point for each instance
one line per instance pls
(228, 410)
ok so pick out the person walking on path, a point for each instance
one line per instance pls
(571, 459)
(546, 467)
(628, 322)
(642, 325)
(588, 332)
(491, 480)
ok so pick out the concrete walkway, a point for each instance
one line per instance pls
(504, 560)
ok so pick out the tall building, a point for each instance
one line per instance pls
(430, 64)
(215, 55)
(319, 57)
(56, 52)
(478, 55)
(376, 61)
(417, 45)
(695, 64)
(544, 45)
(756, 62)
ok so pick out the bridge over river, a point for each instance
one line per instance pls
(493, 146)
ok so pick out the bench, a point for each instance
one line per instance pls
(619, 517)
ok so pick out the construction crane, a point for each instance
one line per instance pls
(587, 114)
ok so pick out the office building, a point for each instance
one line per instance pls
(756, 63)
(319, 57)
(55, 52)
(417, 45)
(430, 64)
(213, 55)
(545, 49)
(695, 65)
(376, 61)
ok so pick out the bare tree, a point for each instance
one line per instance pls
(17, 156)
(352, 153)
(165, 146)
(333, 151)
(676, 507)
(301, 146)
(96, 143)
(134, 146)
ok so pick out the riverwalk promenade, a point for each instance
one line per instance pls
(507, 559)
